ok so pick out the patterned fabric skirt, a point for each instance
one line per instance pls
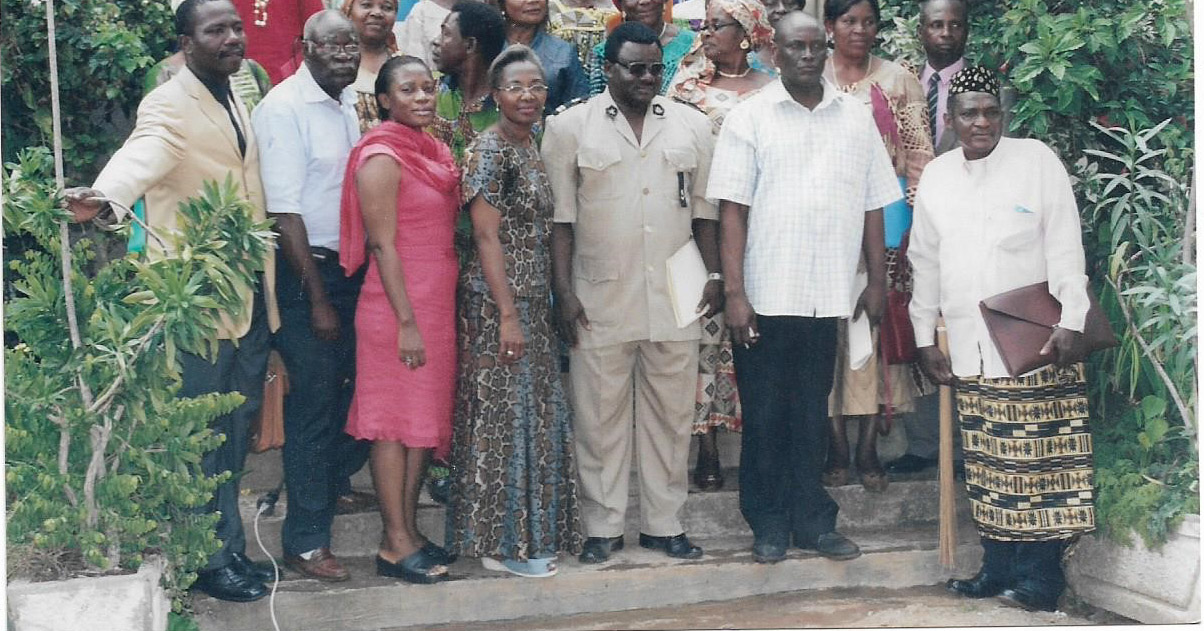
(716, 403)
(1027, 444)
(514, 480)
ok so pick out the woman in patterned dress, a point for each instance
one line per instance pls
(714, 77)
(900, 112)
(373, 20)
(513, 491)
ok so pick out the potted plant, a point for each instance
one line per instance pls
(103, 461)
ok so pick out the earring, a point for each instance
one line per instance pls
(744, 44)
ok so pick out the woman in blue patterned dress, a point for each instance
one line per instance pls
(513, 490)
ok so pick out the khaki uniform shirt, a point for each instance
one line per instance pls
(632, 204)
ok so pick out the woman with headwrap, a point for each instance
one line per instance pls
(714, 76)
(658, 16)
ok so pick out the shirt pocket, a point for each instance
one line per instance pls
(592, 270)
(683, 163)
(1018, 227)
(600, 172)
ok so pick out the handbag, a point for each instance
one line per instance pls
(1020, 322)
(268, 430)
(896, 337)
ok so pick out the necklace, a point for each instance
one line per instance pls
(664, 27)
(852, 87)
(734, 75)
(260, 12)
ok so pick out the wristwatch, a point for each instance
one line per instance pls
(715, 276)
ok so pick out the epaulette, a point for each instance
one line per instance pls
(566, 106)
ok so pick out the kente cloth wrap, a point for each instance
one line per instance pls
(974, 79)
(422, 156)
(1027, 443)
(697, 70)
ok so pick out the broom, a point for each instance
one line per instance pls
(947, 534)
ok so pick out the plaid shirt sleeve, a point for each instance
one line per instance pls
(734, 165)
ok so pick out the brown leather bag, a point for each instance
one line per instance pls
(1020, 322)
(268, 430)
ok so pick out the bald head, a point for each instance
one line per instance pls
(320, 24)
(331, 50)
(792, 22)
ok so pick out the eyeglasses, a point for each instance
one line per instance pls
(714, 27)
(515, 89)
(640, 68)
(331, 48)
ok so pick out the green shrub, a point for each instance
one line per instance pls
(104, 49)
(102, 460)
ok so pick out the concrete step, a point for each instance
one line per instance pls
(715, 514)
(896, 557)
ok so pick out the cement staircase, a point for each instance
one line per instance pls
(896, 529)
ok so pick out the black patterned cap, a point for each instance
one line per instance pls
(974, 79)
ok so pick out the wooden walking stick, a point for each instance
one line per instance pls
(947, 534)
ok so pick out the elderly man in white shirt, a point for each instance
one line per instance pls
(306, 127)
(801, 175)
(997, 215)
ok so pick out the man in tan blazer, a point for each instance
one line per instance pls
(190, 130)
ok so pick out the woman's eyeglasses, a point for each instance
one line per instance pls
(515, 89)
(714, 27)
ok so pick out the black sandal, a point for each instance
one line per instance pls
(438, 554)
(416, 568)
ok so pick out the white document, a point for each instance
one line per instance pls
(861, 342)
(687, 279)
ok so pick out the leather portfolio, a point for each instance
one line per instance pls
(1020, 322)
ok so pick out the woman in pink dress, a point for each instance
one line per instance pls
(400, 198)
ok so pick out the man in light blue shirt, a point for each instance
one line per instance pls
(307, 127)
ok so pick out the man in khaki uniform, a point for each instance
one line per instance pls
(628, 171)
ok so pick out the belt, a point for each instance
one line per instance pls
(323, 254)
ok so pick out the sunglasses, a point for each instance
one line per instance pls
(640, 68)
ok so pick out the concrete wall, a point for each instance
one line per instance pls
(1151, 586)
(128, 602)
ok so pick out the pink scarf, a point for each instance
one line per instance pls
(422, 156)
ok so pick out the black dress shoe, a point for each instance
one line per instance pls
(1030, 598)
(227, 583)
(676, 546)
(909, 463)
(836, 546)
(766, 551)
(598, 549)
(262, 572)
(983, 585)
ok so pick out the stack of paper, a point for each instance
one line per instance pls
(687, 279)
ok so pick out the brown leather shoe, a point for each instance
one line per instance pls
(355, 502)
(322, 565)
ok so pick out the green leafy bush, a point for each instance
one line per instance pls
(102, 460)
(104, 48)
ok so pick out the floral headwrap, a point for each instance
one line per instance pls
(697, 70)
